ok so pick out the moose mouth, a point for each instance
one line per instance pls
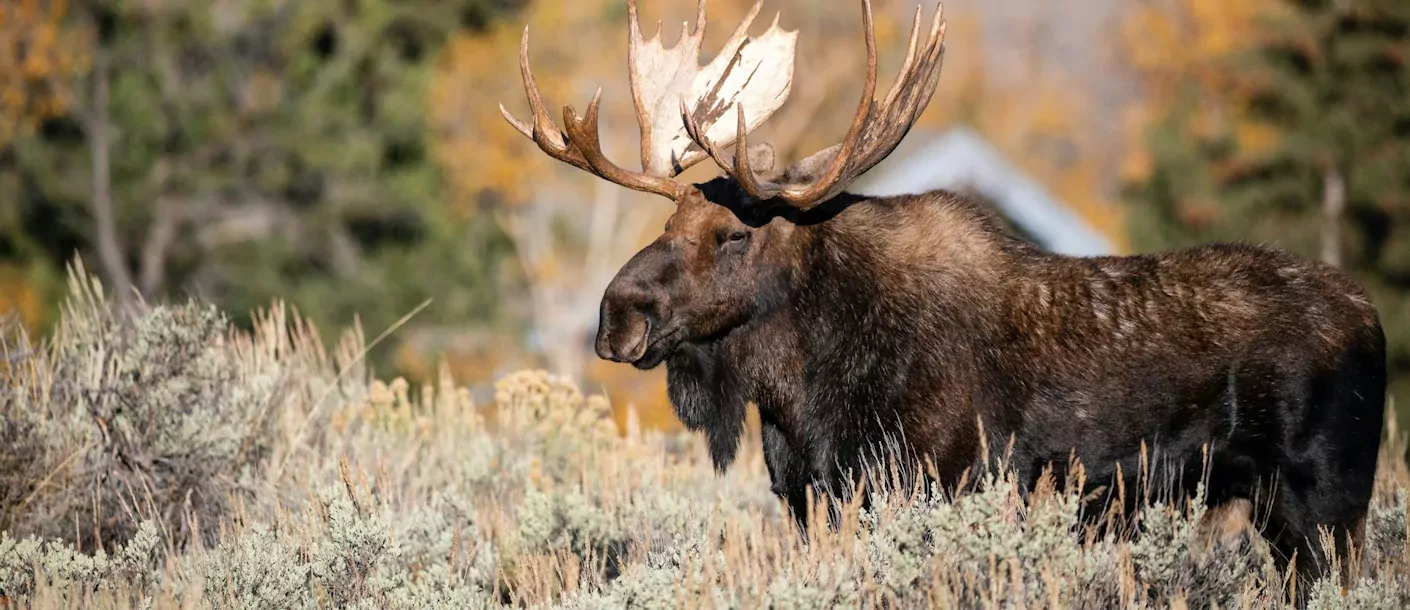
(658, 349)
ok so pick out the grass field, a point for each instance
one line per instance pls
(160, 460)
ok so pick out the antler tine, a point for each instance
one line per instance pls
(730, 49)
(876, 129)
(583, 133)
(581, 147)
(910, 56)
(543, 132)
(905, 104)
(819, 191)
(755, 71)
(937, 34)
(743, 168)
(932, 55)
(692, 129)
(742, 30)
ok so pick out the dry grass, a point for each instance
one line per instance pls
(156, 459)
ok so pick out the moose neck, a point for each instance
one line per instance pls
(933, 265)
(863, 285)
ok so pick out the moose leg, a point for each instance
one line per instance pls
(788, 472)
(1325, 481)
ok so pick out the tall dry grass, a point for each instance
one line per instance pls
(155, 458)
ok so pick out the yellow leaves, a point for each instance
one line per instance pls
(1220, 24)
(1137, 164)
(1151, 38)
(1256, 139)
(38, 65)
(478, 149)
(1183, 51)
(1181, 44)
(19, 297)
(39, 55)
(1208, 122)
(13, 97)
(476, 72)
(1188, 38)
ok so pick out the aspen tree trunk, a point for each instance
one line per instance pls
(1333, 207)
(110, 255)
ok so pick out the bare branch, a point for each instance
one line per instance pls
(167, 218)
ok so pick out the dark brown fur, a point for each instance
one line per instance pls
(883, 328)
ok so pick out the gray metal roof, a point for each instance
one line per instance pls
(960, 159)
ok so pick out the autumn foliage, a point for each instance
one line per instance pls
(1281, 122)
(39, 55)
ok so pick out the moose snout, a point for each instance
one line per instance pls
(628, 316)
(636, 305)
(623, 338)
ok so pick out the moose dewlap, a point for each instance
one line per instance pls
(875, 330)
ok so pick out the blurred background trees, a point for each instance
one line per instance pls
(1288, 123)
(238, 150)
(349, 156)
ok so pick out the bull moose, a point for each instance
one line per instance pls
(916, 325)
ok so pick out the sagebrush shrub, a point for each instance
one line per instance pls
(155, 458)
(149, 413)
(256, 568)
(28, 562)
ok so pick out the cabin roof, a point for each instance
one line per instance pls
(960, 159)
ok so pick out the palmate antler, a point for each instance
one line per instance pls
(875, 132)
(679, 106)
(752, 75)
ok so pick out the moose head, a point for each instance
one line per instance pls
(731, 246)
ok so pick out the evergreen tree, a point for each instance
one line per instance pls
(1304, 145)
(252, 149)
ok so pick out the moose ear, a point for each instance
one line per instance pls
(810, 169)
(761, 158)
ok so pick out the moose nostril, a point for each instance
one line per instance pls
(623, 335)
(603, 346)
(652, 315)
(637, 350)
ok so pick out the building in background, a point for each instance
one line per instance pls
(959, 159)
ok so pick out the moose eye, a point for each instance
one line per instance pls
(733, 241)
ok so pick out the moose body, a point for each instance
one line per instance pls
(912, 329)
(1272, 364)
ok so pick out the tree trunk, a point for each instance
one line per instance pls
(159, 238)
(1333, 207)
(110, 253)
